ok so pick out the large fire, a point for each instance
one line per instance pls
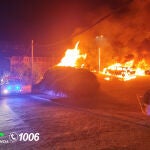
(127, 70)
(124, 71)
(71, 57)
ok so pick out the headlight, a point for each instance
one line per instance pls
(5, 91)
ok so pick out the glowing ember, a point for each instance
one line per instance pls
(71, 57)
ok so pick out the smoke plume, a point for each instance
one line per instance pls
(122, 36)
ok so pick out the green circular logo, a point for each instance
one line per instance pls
(2, 134)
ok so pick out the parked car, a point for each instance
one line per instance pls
(14, 86)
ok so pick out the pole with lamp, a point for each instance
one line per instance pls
(99, 59)
(99, 39)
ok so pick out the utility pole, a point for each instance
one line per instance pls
(99, 40)
(32, 59)
(99, 60)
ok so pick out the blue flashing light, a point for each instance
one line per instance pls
(9, 87)
(17, 87)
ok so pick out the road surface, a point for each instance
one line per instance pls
(66, 126)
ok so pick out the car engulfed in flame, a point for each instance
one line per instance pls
(122, 73)
(126, 71)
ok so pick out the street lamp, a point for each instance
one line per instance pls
(99, 60)
(99, 39)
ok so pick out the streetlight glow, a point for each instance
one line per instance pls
(99, 39)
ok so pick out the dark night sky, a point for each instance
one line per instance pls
(44, 20)
(40, 20)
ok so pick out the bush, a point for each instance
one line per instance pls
(70, 81)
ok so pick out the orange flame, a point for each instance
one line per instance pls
(129, 63)
(120, 71)
(139, 72)
(71, 57)
(127, 70)
(141, 67)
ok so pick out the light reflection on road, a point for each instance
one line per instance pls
(8, 118)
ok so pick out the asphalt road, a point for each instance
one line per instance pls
(61, 126)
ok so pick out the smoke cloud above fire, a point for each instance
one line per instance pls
(122, 36)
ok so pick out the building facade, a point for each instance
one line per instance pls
(22, 66)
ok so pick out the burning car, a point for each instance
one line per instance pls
(123, 73)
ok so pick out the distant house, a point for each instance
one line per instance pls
(22, 65)
(41, 62)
